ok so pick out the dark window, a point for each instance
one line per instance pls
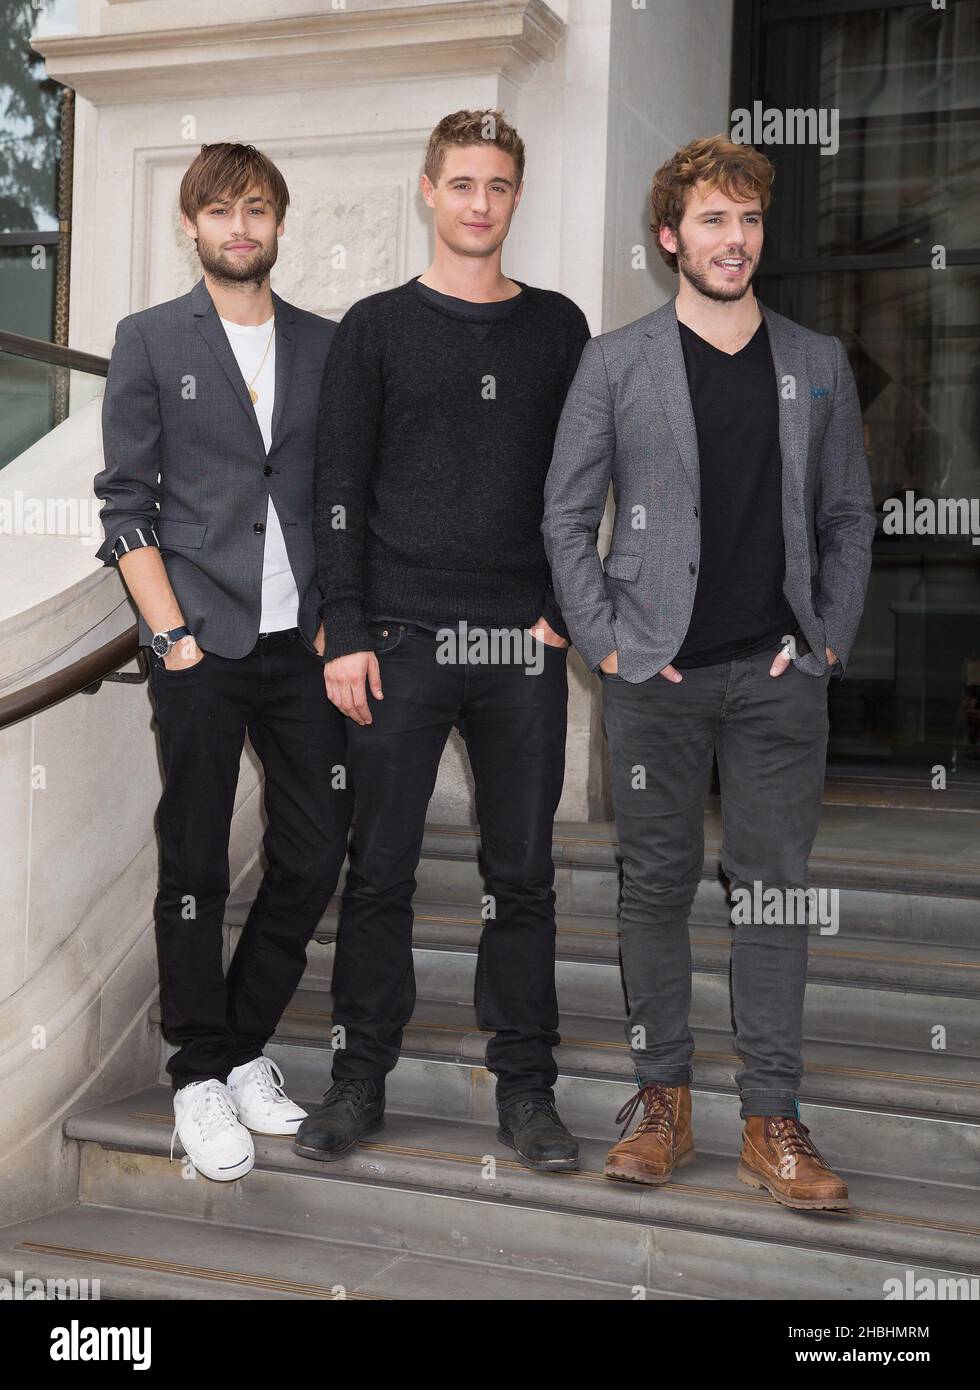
(33, 220)
(854, 244)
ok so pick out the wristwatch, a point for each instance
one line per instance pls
(163, 642)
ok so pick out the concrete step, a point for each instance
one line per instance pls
(879, 897)
(868, 1138)
(871, 1063)
(893, 791)
(444, 1187)
(436, 1189)
(885, 1116)
(887, 1013)
(931, 853)
(140, 1254)
(855, 959)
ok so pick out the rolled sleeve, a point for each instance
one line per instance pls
(135, 540)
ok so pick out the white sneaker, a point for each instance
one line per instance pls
(263, 1106)
(214, 1139)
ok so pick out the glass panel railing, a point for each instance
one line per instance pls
(28, 281)
(36, 395)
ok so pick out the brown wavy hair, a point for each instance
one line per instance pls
(467, 128)
(227, 170)
(738, 171)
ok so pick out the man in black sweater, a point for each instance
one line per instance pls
(438, 413)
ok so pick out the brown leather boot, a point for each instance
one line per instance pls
(779, 1156)
(661, 1142)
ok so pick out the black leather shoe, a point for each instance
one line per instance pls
(349, 1110)
(532, 1128)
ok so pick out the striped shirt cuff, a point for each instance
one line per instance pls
(135, 540)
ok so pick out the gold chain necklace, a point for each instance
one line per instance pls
(254, 395)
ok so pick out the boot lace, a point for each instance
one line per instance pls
(524, 1109)
(794, 1137)
(350, 1094)
(658, 1114)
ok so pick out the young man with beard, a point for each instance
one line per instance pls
(733, 587)
(440, 402)
(209, 424)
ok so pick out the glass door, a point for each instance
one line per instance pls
(878, 243)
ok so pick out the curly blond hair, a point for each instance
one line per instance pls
(739, 171)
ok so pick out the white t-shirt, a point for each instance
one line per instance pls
(280, 598)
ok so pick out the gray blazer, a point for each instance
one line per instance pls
(185, 461)
(628, 417)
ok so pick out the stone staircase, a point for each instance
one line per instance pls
(435, 1208)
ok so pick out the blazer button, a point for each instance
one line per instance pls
(693, 567)
(695, 511)
(259, 527)
(267, 470)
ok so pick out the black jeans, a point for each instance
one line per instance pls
(276, 694)
(514, 724)
(770, 735)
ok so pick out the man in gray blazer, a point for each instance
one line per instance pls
(733, 588)
(209, 425)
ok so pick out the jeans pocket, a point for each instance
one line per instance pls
(180, 671)
(385, 637)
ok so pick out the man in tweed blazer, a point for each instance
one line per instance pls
(209, 425)
(732, 589)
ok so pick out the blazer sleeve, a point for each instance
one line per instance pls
(577, 337)
(844, 516)
(574, 500)
(129, 484)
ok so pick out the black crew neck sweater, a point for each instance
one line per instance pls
(433, 444)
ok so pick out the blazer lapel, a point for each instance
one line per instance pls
(666, 358)
(285, 352)
(209, 326)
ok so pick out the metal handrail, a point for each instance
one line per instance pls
(53, 354)
(85, 674)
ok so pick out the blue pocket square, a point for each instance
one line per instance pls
(818, 392)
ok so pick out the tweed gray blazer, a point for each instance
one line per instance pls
(185, 460)
(628, 418)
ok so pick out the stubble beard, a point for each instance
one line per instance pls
(230, 272)
(727, 294)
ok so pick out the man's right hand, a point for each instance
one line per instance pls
(346, 679)
(184, 652)
(610, 664)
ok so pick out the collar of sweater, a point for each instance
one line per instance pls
(518, 302)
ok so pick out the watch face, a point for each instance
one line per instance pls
(161, 644)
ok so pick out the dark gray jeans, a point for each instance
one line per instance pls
(770, 734)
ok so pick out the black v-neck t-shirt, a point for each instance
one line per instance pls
(739, 607)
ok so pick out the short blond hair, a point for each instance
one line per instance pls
(471, 128)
